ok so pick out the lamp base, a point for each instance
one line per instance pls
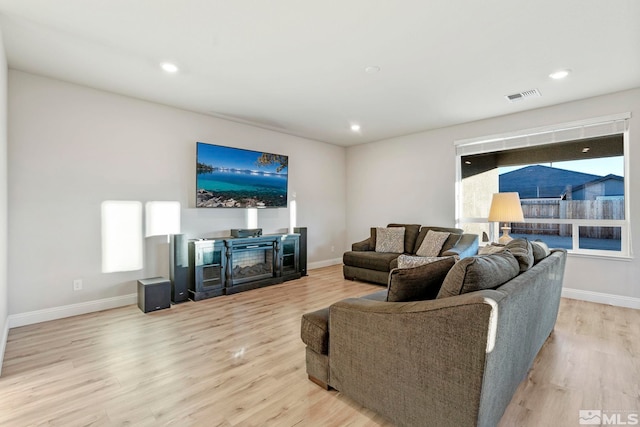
(505, 238)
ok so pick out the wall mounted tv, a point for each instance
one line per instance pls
(230, 177)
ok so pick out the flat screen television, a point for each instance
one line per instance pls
(230, 177)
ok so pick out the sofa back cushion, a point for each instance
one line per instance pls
(418, 283)
(453, 240)
(527, 253)
(522, 250)
(390, 239)
(479, 272)
(540, 250)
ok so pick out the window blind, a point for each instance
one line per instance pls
(590, 128)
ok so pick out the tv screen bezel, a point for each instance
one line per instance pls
(222, 165)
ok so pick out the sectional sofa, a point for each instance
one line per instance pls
(455, 359)
(363, 262)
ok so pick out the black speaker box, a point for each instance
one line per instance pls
(303, 248)
(246, 232)
(179, 268)
(154, 294)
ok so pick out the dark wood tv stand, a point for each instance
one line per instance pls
(227, 265)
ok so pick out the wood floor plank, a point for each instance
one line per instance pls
(238, 361)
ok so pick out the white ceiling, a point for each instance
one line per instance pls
(299, 66)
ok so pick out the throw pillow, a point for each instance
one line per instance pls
(521, 249)
(540, 250)
(390, 239)
(408, 261)
(410, 235)
(479, 272)
(418, 283)
(432, 243)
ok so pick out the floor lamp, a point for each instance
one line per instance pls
(506, 208)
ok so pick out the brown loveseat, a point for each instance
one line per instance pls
(455, 360)
(364, 263)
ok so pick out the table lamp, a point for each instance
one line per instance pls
(505, 208)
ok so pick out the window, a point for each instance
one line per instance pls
(570, 178)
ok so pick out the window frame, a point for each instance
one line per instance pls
(563, 132)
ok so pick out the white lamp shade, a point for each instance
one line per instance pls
(162, 218)
(505, 207)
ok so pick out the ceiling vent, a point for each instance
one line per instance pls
(517, 97)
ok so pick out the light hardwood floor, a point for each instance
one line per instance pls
(238, 361)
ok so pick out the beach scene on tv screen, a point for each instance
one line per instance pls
(235, 178)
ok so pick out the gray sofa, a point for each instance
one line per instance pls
(364, 263)
(450, 361)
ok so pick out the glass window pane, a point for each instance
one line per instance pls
(600, 238)
(581, 180)
(554, 235)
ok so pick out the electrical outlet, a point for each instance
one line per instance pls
(333, 248)
(77, 284)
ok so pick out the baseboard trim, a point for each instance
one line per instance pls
(54, 313)
(3, 343)
(325, 263)
(602, 298)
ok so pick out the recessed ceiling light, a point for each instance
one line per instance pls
(355, 127)
(372, 69)
(169, 67)
(467, 162)
(560, 74)
(586, 149)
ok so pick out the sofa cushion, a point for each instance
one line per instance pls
(418, 283)
(432, 243)
(521, 249)
(390, 239)
(314, 330)
(540, 250)
(378, 261)
(410, 261)
(479, 272)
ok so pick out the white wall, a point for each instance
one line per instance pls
(4, 293)
(412, 179)
(72, 147)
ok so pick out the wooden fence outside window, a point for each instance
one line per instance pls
(612, 209)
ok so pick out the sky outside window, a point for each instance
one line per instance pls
(602, 166)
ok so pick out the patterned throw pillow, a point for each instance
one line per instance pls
(390, 239)
(408, 261)
(432, 243)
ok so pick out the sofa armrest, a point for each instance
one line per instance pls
(364, 245)
(467, 246)
(414, 361)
